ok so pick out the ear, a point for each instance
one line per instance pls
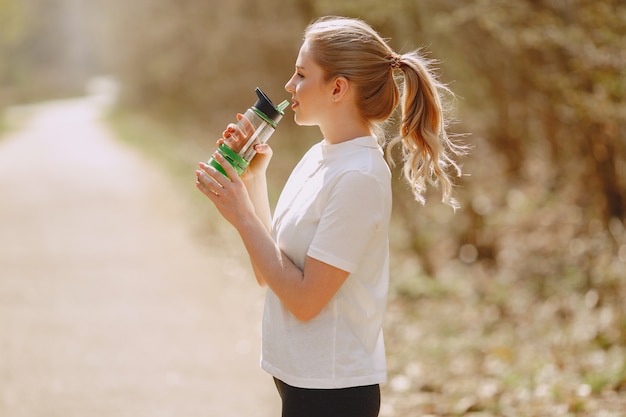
(340, 88)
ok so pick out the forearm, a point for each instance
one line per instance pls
(257, 190)
(271, 266)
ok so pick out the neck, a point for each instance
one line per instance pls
(343, 128)
(344, 136)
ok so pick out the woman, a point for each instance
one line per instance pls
(324, 255)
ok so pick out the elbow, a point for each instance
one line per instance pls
(305, 308)
(303, 318)
(305, 313)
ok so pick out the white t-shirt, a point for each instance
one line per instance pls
(336, 208)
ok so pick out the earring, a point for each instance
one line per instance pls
(332, 99)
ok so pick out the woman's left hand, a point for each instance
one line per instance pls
(229, 194)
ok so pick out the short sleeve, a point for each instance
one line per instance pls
(354, 213)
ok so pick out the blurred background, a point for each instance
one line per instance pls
(520, 293)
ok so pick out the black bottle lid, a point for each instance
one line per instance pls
(264, 105)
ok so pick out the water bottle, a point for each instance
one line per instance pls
(258, 124)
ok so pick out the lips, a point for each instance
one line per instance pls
(294, 104)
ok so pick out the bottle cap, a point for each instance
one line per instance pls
(264, 105)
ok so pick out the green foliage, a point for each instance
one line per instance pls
(11, 22)
(11, 31)
(542, 94)
(202, 60)
(47, 49)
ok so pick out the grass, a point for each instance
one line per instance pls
(476, 358)
(3, 123)
(178, 153)
(12, 119)
(161, 143)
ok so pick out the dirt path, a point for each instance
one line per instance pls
(108, 307)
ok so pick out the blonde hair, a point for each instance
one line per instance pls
(353, 49)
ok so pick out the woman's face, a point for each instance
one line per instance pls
(311, 95)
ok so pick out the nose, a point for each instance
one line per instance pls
(289, 86)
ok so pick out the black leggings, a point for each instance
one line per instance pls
(342, 402)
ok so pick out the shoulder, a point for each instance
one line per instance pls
(365, 155)
(362, 185)
(365, 167)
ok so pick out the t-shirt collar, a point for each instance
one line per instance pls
(361, 142)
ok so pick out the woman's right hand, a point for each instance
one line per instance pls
(235, 137)
(258, 165)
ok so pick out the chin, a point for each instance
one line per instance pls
(302, 122)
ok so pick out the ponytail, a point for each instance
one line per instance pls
(353, 49)
(426, 148)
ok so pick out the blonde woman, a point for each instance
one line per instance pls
(324, 255)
